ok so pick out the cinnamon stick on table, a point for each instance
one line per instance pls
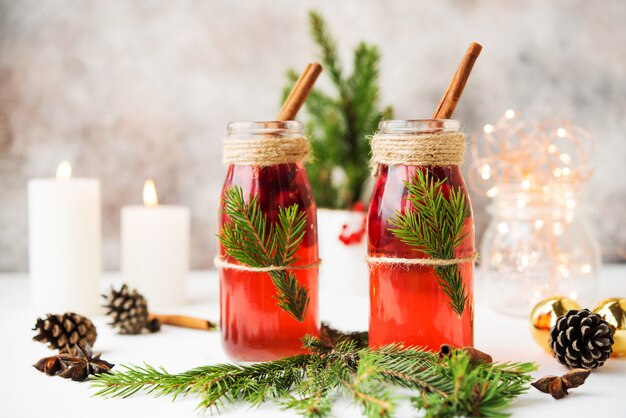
(457, 84)
(183, 321)
(300, 92)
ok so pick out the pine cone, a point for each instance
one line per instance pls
(128, 310)
(62, 330)
(581, 339)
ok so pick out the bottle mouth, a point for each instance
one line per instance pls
(275, 127)
(419, 125)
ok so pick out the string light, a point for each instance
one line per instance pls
(485, 172)
(534, 171)
(493, 192)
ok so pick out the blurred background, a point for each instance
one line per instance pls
(143, 89)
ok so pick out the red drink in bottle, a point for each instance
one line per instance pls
(407, 304)
(253, 326)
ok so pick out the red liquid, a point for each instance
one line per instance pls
(406, 303)
(253, 327)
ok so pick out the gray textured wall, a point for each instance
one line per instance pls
(134, 89)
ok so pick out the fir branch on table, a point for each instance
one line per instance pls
(434, 226)
(248, 240)
(309, 383)
(338, 123)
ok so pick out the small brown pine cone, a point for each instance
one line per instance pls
(59, 331)
(581, 339)
(128, 310)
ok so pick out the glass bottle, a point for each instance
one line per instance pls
(407, 304)
(537, 244)
(253, 327)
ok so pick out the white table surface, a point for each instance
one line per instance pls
(25, 392)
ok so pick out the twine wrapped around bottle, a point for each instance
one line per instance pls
(222, 263)
(431, 149)
(265, 151)
(427, 149)
(406, 263)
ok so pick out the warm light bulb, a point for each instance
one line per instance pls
(509, 114)
(551, 148)
(566, 171)
(566, 158)
(525, 184)
(538, 224)
(64, 170)
(485, 172)
(561, 132)
(150, 194)
(488, 129)
(493, 191)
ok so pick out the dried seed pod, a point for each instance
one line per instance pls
(52, 365)
(81, 363)
(558, 386)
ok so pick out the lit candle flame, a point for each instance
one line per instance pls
(64, 170)
(150, 194)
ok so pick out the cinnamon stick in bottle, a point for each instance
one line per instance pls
(300, 92)
(451, 97)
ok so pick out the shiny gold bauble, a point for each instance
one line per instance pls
(613, 310)
(544, 316)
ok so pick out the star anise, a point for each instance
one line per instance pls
(81, 363)
(52, 365)
(558, 386)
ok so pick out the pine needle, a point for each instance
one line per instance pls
(339, 120)
(309, 383)
(434, 226)
(248, 240)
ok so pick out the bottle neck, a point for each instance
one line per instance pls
(265, 129)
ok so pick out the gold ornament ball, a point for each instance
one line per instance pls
(544, 316)
(613, 310)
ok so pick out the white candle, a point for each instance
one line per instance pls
(64, 243)
(155, 249)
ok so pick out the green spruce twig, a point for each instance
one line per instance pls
(309, 383)
(248, 240)
(338, 123)
(434, 226)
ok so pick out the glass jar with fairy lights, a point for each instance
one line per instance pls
(538, 242)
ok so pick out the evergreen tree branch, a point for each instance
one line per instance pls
(308, 383)
(434, 226)
(248, 240)
(339, 123)
(328, 46)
